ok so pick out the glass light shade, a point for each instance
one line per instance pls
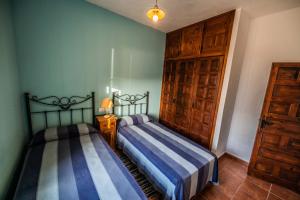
(106, 103)
(155, 14)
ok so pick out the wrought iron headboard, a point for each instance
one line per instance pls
(126, 100)
(62, 104)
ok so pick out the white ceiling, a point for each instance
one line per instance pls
(180, 13)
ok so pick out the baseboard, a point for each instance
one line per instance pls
(235, 158)
(220, 155)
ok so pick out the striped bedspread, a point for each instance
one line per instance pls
(82, 167)
(177, 166)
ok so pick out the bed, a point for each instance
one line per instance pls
(72, 161)
(177, 166)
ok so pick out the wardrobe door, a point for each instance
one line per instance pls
(276, 152)
(216, 35)
(167, 109)
(173, 44)
(207, 76)
(191, 40)
(184, 82)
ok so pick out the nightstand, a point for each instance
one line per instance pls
(107, 127)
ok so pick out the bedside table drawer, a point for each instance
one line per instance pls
(107, 128)
(104, 125)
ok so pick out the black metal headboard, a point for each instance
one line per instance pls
(61, 104)
(136, 101)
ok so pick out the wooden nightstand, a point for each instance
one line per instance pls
(107, 127)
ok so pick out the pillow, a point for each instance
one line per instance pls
(133, 120)
(62, 132)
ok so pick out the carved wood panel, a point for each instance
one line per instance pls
(173, 44)
(183, 96)
(168, 102)
(276, 153)
(191, 40)
(216, 35)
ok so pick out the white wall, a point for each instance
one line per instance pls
(272, 38)
(231, 79)
(236, 57)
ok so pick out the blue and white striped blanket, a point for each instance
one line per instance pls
(82, 167)
(177, 166)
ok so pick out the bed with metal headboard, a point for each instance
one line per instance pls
(59, 105)
(178, 167)
(71, 161)
(130, 104)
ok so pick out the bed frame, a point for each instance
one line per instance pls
(126, 100)
(59, 105)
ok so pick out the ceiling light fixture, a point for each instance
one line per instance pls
(155, 13)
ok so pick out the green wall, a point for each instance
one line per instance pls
(12, 135)
(68, 47)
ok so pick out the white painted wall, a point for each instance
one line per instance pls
(235, 60)
(225, 82)
(230, 82)
(272, 38)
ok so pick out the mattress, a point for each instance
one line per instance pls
(80, 167)
(177, 166)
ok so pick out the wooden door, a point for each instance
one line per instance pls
(216, 34)
(191, 40)
(276, 152)
(207, 85)
(173, 44)
(184, 80)
(168, 102)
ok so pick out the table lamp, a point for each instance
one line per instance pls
(106, 104)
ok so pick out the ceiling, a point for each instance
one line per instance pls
(180, 13)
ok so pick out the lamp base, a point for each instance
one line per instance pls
(107, 116)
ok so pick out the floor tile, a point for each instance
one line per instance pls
(259, 182)
(236, 184)
(237, 167)
(237, 170)
(223, 160)
(284, 193)
(212, 192)
(229, 182)
(250, 191)
(273, 197)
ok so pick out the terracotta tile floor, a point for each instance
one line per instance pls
(236, 184)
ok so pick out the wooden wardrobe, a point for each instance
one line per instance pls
(195, 59)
